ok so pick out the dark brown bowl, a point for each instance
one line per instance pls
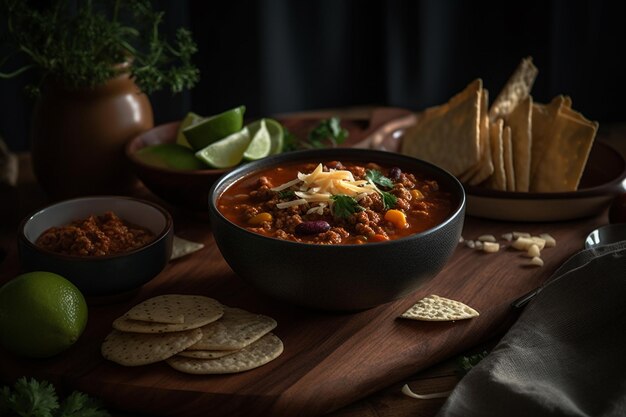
(188, 189)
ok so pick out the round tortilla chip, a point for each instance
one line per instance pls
(134, 349)
(196, 311)
(236, 329)
(259, 353)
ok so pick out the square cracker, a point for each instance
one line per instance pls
(507, 154)
(515, 90)
(565, 157)
(436, 308)
(498, 179)
(520, 121)
(448, 135)
(543, 119)
(485, 166)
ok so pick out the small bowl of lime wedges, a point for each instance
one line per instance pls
(180, 161)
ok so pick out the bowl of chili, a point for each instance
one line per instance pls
(337, 229)
(105, 245)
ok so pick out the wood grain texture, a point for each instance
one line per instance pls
(330, 359)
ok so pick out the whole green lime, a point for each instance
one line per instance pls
(41, 314)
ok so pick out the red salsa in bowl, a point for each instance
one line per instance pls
(335, 202)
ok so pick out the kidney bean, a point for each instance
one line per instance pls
(312, 227)
(394, 174)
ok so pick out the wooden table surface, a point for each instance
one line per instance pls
(17, 202)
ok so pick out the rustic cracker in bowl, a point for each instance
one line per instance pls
(436, 308)
(448, 135)
(539, 148)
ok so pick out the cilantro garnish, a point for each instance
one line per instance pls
(285, 194)
(344, 206)
(328, 130)
(377, 178)
(465, 363)
(389, 200)
(327, 133)
(32, 398)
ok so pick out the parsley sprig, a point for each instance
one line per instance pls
(376, 178)
(344, 206)
(31, 398)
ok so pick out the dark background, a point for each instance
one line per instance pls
(278, 56)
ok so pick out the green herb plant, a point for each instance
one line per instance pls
(327, 133)
(85, 43)
(32, 398)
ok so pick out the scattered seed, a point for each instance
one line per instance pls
(520, 234)
(508, 237)
(487, 238)
(470, 244)
(533, 251)
(491, 247)
(550, 241)
(536, 261)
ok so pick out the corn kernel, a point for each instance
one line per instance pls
(260, 218)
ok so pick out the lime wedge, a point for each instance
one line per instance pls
(170, 155)
(260, 144)
(275, 131)
(227, 152)
(214, 128)
(190, 119)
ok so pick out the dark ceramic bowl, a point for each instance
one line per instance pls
(339, 277)
(188, 189)
(103, 275)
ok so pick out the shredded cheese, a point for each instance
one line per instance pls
(319, 186)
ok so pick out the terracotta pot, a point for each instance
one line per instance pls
(78, 137)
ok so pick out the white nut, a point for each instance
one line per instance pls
(539, 242)
(508, 237)
(491, 247)
(536, 261)
(533, 251)
(461, 240)
(478, 245)
(487, 238)
(550, 241)
(522, 243)
(470, 244)
(520, 234)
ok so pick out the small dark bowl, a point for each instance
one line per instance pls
(339, 277)
(188, 189)
(102, 275)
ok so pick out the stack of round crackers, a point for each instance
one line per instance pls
(193, 334)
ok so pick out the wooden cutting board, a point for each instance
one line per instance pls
(330, 359)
